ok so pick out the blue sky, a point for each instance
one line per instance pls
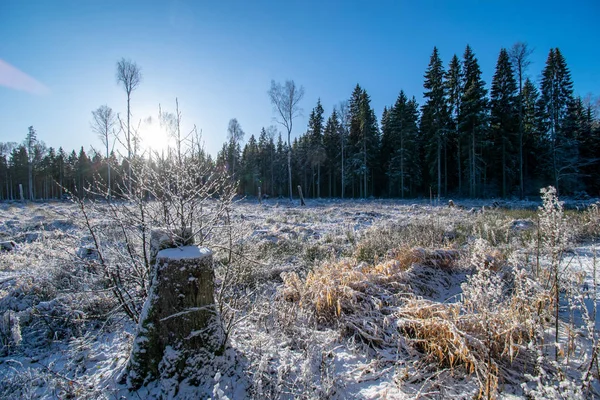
(218, 57)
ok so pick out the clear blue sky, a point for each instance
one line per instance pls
(218, 57)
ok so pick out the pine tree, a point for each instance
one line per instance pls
(556, 95)
(332, 144)
(504, 118)
(249, 167)
(589, 138)
(454, 82)
(519, 55)
(388, 143)
(363, 142)
(532, 140)
(434, 119)
(473, 118)
(317, 152)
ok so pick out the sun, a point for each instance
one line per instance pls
(152, 136)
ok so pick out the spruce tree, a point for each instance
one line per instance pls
(317, 152)
(434, 119)
(503, 119)
(388, 144)
(473, 118)
(532, 140)
(556, 95)
(519, 56)
(454, 82)
(332, 143)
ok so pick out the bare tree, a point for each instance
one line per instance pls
(519, 57)
(285, 99)
(235, 134)
(129, 76)
(104, 120)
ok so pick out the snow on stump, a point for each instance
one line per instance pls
(179, 328)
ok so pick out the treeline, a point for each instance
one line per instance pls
(465, 140)
(56, 173)
(49, 173)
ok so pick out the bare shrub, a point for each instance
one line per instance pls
(180, 192)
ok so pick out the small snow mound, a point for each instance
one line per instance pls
(186, 252)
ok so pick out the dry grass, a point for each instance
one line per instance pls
(484, 334)
(345, 287)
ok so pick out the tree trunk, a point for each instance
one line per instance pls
(343, 177)
(521, 184)
(319, 181)
(401, 166)
(179, 326)
(473, 174)
(290, 168)
(30, 175)
(503, 168)
(458, 160)
(365, 167)
(439, 166)
(128, 143)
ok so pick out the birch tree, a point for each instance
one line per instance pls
(286, 104)
(129, 77)
(104, 120)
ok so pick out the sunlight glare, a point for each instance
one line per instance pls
(153, 137)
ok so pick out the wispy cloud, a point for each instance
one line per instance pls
(15, 79)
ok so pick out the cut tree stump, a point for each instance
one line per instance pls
(179, 328)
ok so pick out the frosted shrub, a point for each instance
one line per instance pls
(483, 290)
(555, 238)
(553, 227)
(179, 191)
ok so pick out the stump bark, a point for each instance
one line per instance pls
(179, 327)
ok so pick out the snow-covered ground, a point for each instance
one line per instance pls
(74, 344)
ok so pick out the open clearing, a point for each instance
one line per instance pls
(338, 299)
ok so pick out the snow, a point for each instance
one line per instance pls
(71, 347)
(184, 253)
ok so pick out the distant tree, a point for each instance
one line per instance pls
(129, 76)
(235, 135)
(454, 84)
(519, 57)
(404, 162)
(286, 103)
(30, 142)
(504, 115)
(589, 138)
(434, 120)
(555, 98)
(104, 120)
(473, 117)
(532, 140)
(317, 152)
(6, 150)
(332, 145)
(19, 162)
(344, 114)
(249, 168)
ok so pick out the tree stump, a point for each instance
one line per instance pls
(302, 203)
(179, 328)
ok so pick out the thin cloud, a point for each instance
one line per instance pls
(15, 79)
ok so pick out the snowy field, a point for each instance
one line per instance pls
(338, 299)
